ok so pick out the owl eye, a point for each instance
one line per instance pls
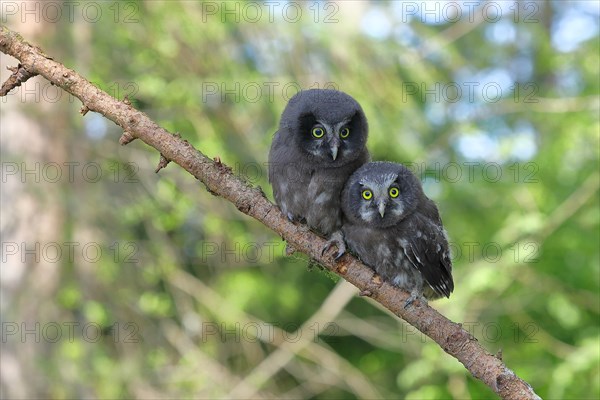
(394, 192)
(367, 194)
(318, 132)
(344, 133)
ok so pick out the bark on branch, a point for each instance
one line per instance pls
(220, 180)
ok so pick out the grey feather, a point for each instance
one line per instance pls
(308, 173)
(407, 245)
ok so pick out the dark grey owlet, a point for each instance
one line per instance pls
(396, 230)
(321, 141)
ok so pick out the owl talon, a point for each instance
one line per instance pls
(327, 246)
(415, 295)
(337, 240)
(341, 249)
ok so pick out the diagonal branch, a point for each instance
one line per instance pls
(221, 181)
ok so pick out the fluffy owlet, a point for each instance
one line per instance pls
(396, 230)
(321, 141)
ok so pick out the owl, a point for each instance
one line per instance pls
(395, 229)
(320, 142)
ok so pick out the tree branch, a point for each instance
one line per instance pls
(220, 180)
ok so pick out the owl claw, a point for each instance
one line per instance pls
(336, 240)
(415, 295)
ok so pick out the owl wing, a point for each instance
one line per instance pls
(288, 175)
(274, 156)
(427, 250)
(286, 164)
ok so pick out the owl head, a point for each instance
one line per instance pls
(381, 194)
(327, 126)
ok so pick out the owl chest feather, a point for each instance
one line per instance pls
(323, 209)
(384, 251)
(313, 196)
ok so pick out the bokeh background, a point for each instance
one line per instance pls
(121, 283)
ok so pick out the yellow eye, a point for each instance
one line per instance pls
(394, 192)
(318, 132)
(367, 194)
(344, 133)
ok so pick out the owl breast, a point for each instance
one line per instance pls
(323, 203)
(382, 250)
(312, 197)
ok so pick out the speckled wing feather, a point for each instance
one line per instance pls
(428, 251)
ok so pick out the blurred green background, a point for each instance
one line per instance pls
(121, 283)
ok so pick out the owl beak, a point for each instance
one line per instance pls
(334, 151)
(381, 208)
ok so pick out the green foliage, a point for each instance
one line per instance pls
(190, 296)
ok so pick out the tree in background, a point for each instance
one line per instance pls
(176, 294)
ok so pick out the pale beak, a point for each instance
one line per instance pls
(334, 151)
(381, 208)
